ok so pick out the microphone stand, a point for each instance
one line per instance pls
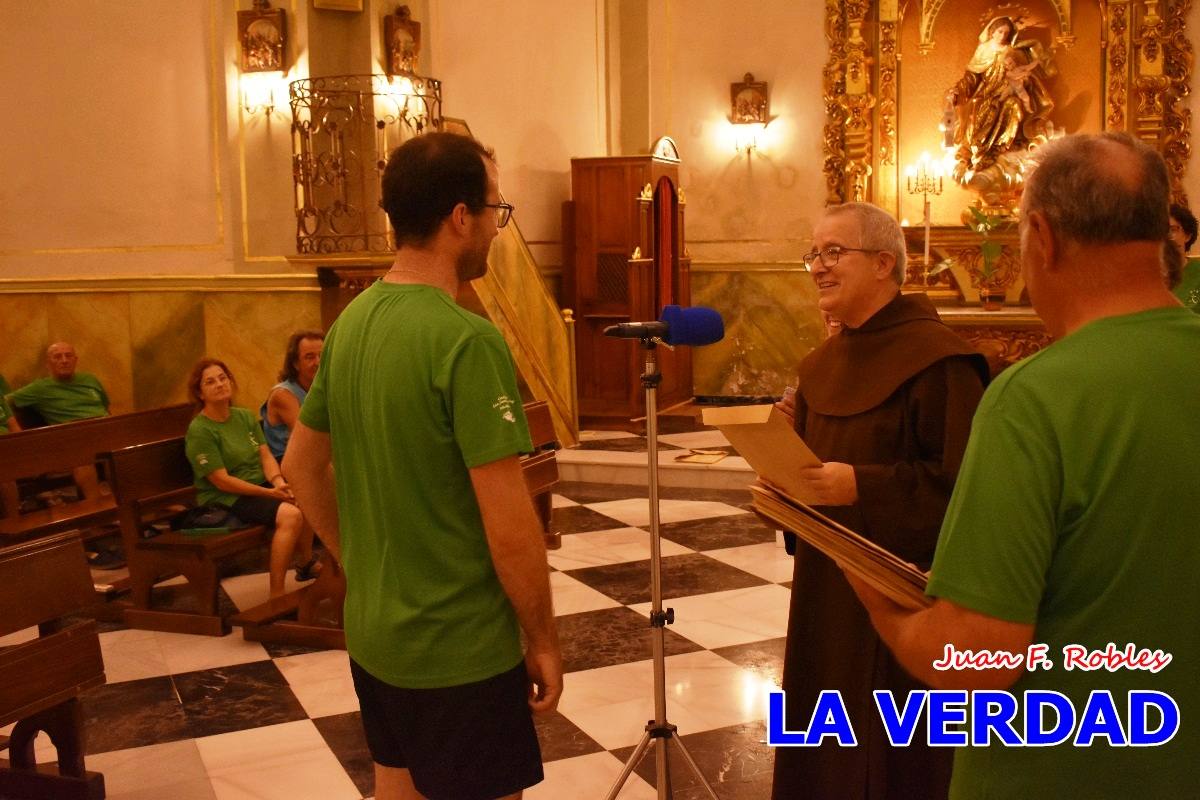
(658, 731)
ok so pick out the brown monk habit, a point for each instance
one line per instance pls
(894, 398)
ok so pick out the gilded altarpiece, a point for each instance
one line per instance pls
(889, 88)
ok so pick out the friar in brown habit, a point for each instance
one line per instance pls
(886, 404)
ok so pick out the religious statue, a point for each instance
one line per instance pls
(1000, 109)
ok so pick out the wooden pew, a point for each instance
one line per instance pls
(312, 615)
(66, 447)
(541, 467)
(40, 680)
(146, 480)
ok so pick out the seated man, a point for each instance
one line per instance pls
(66, 395)
(9, 498)
(7, 421)
(282, 409)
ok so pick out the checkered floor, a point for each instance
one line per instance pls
(190, 717)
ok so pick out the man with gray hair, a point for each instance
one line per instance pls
(886, 404)
(65, 396)
(1073, 523)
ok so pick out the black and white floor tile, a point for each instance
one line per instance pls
(190, 717)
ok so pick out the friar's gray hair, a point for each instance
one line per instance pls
(879, 231)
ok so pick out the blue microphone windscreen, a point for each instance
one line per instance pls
(693, 326)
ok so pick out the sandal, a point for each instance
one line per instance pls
(307, 572)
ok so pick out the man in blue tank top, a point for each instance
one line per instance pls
(282, 409)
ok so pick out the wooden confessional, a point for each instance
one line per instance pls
(624, 259)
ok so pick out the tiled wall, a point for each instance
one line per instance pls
(771, 322)
(142, 343)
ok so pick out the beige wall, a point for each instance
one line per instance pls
(529, 79)
(756, 208)
(129, 154)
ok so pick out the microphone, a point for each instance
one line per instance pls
(693, 326)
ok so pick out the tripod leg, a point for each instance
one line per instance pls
(691, 763)
(662, 774)
(630, 763)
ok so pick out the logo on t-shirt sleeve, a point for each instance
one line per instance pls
(503, 406)
(202, 459)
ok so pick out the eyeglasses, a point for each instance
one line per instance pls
(830, 255)
(503, 212)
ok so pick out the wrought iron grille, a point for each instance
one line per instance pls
(343, 128)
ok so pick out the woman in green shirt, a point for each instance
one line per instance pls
(235, 469)
(1183, 230)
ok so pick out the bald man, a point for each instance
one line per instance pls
(66, 395)
(1073, 521)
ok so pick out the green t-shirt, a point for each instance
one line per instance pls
(1075, 510)
(233, 445)
(4, 412)
(1188, 290)
(414, 391)
(57, 401)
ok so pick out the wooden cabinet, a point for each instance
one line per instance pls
(624, 259)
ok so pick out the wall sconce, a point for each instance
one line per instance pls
(258, 93)
(262, 37)
(749, 113)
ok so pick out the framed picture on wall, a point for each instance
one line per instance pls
(402, 42)
(262, 33)
(749, 101)
(339, 5)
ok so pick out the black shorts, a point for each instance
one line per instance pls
(256, 510)
(470, 742)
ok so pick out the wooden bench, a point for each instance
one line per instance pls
(311, 616)
(67, 447)
(146, 480)
(41, 679)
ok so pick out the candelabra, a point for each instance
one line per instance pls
(924, 178)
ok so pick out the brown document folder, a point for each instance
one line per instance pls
(888, 573)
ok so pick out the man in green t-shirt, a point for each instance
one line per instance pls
(1072, 525)
(7, 421)
(416, 410)
(66, 395)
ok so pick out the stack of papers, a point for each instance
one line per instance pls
(765, 438)
(888, 573)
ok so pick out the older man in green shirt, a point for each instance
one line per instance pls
(66, 395)
(7, 421)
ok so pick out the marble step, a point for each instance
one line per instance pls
(615, 466)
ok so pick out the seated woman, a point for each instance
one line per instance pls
(234, 468)
(1186, 283)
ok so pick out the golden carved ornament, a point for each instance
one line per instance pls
(834, 132)
(887, 93)
(647, 193)
(1178, 61)
(1004, 271)
(1004, 347)
(1149, 39)
(1118, 56)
